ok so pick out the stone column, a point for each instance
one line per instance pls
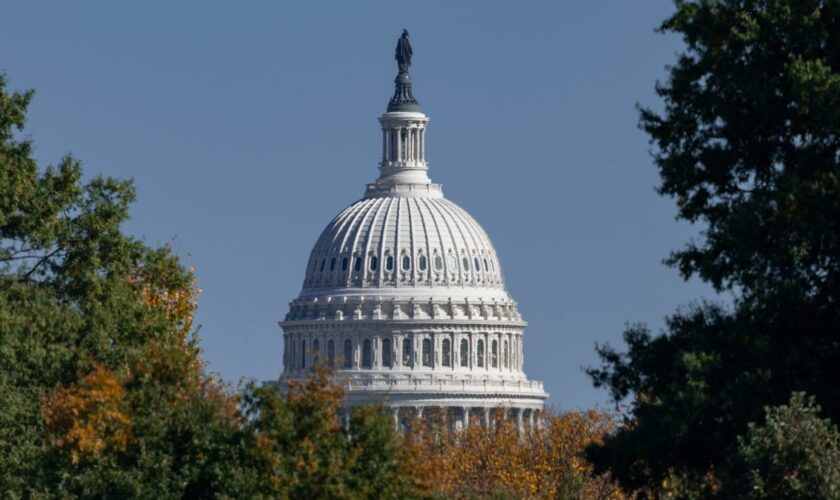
(487, 417)
(398, 143)
(395, 411)
(518, 416)
(531, 420)
(465, 411)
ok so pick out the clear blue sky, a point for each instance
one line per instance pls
(248, 125)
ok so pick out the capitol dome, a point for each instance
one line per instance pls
(403, 294)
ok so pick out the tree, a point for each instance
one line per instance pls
(502, 462)
(102, 389)
(748, 144)
(103, 392)
(297, 447)
(793, 454)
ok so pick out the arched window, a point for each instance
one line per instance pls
(386, 353)
(447, 353)
(357, 265)
(505, 357)
(466, 263)
(494, 353)
(486, 267)
(323, 263)
(438, 263)
(303, 354)
(453, 263)
(406, 262)
(427, 352)
(389, 263)
(314, 265)
(331, 352)
(344, 264)
(465, 353)
(479, 352)
(348, 353)
(373, 262)
(332, 264)
(316, 351)
(366, 357)
(422, 263)
(477, 265)
(407, 351)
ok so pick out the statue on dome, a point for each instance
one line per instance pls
(403, 52)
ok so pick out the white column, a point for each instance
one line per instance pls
(395, 411)
(466, 417)
(531, 420)
(487, 417)
(398, 144)
(518, 416)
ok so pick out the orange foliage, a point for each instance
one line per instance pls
(179, 305)
(545, 462)
(89, 417)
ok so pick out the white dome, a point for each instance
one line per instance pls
(398, 241)
(403, 294)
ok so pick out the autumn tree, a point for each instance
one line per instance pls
(546, 461)
(748, 145)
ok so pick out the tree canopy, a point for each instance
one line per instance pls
(748, 145)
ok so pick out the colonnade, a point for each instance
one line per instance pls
(404, 144)
(461, 417)
(451, 351)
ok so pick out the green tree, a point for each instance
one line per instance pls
(297, 446)
(748, 144)
(103, 392)
(793, 454)
(101, 387)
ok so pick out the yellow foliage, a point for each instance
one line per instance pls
(179, 305)
(89, 417)
(544, 462)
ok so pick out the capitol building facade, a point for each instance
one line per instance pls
(404, 297)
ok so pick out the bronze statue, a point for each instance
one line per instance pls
(403, 52)
(403, 99)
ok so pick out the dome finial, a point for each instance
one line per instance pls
(403, 99)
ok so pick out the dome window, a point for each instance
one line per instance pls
(486, 267)
(494, 354)
(389, 263)
(406, 352)
(366, 351)
(331, 353)
(427, 353)
(303, 354)
(453, 263)
(477, 264)
(465, 353)
(323, 263)
(344, 262)
(374, 262)
(357, 265)
(479, 352)
(466, 262)
(332, 264)
(422, 263)
(406, 262)
(446, 347)
(438, 263)
(348, 353)
(386, 353)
